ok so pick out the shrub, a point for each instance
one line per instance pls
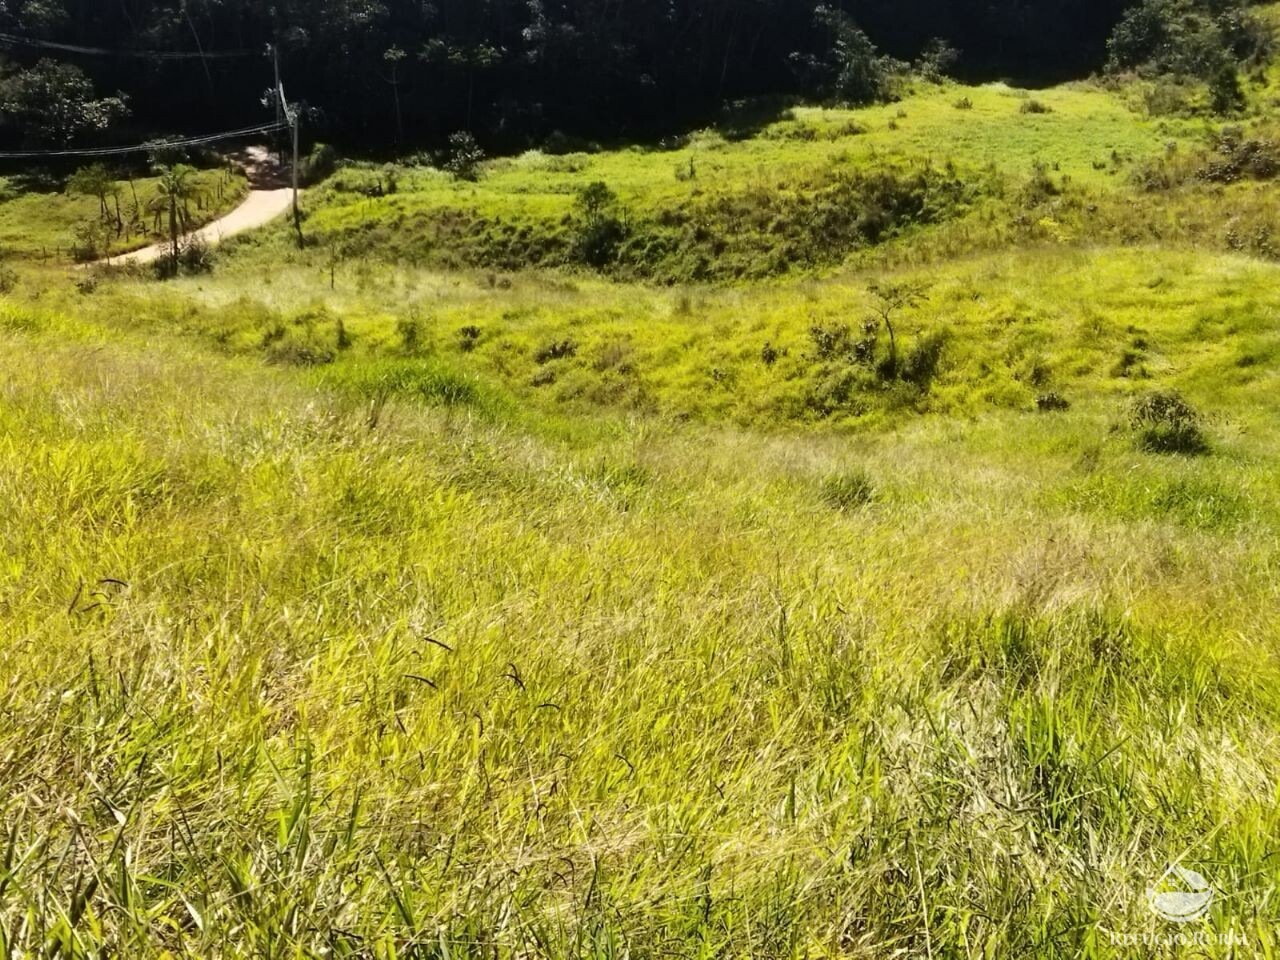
(464, 156)
(848, 491)
(469, 338)
(922, 361)
(1040, 187)
(319, 164)
(1035, 106)
(196, 255)
(937, 60)
(852, 70)
(409, 330)
(602, 231)
(1166, 423)
(833, 390)
(1167, 98)
(1052, 403)
(1130, 366)
(1226, 95)
(1236, 159)
(831, 342)
(556, 350)
(8, 278)
(1193, 38)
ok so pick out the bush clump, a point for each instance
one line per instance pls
(556, 350)
(1166, 423)
(1236, 158)
(1052, 403)
(602, 230)
(849, 490)
(464, 156)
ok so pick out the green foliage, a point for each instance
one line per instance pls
(176, 190)
(464, 156)
(556, 614)
(55, 104)
(556, 350)
(1236, 157)
(602, 231)
(94, 181)
(409, 329)
(1199, 38)
(853, 70)
(936, 61)
(849, 490)
(1052, 403)
(1226, 95)
(1166, 423)
(319, 164)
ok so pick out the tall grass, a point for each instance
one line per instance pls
(283, 682)
(350, 609)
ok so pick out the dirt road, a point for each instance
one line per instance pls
(268, 198)
(261, 206)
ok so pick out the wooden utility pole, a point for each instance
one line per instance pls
(293, 113)
(280, 106)
(295, 120)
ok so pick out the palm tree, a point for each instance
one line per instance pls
(174, 194)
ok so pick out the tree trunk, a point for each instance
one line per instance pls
(173, 226)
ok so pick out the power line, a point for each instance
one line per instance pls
(140, 54)
(143, 147)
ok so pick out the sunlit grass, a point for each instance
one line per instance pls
(282, 676)
(43, 225)
(355, 608)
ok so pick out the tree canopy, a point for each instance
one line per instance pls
(392, 72)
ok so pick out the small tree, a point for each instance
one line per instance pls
(393, 58)
(937, 60)
(890, 299)
(602, 230)
(174, 194)
(96, 181)
(1226, 96)
(852, 70)
(464, 157)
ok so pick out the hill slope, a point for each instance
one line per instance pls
(357, 605)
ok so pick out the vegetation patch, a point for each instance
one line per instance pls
(1164, 422)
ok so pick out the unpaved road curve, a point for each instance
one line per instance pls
(261, 206)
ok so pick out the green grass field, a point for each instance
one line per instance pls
(383, 600)
(40, 224)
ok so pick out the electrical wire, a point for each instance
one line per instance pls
(143, 147)
(140, 54)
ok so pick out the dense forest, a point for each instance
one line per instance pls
(397, 73)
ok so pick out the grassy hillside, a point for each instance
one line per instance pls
(390, 598)
(38, 223)
(739, 201)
